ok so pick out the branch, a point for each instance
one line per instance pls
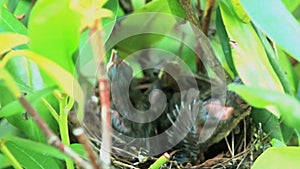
(203, 46)
(96, 35)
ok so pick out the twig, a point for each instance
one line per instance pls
(228, 146)
(193, 19)
(207, 15)
(119, 163)
(198, 6)
(83, 139)
(79, 133)
(232, 143)
(245, 134)
(190, 16)
(52, 138)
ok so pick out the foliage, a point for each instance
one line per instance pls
(254, 40)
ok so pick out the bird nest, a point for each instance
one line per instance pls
(199, 130)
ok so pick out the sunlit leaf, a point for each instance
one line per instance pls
(90, 10)
(278, 157)
(86, 52)
(240, 12)
(247, 52)
(276, 22)
(11, 40)
(54, 31)
(66, 82)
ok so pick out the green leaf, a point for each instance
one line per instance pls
(221, 57)
(17, 116)
(25, 73)
(151, 17)
(137, 4)
(23, 8)
(277, 143)
(109, 23)
(36, 147)
(31, 159)
(66, 82)
(224, 41)
(9, 83)
(78, 148)
(15, 107)
(270, 123)
(4, 162)
(9, 23)
(11, 5)
(240, 12)
(287, 68)
(268, 16)
(287, 105)
(291, 5)
(55, 34)
(176, 8)
(7, 129)
(28, 78)
(155, 6)
(278, 157)
(274, 61)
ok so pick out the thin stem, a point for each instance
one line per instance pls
(51, 109)
(79, 133)
(64, 107)
(10, 156)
